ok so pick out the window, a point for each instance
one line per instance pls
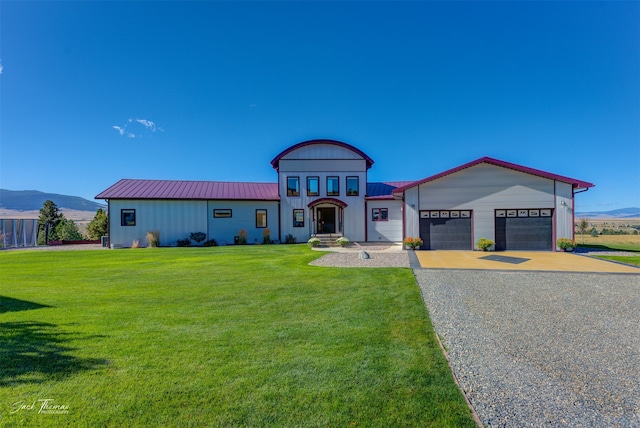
(353, 186)
(261, 218)
(298, 218)
(222, 213)
(293, 186)
(127, 217)
(380, 214)
(333, 186)
(313, 186)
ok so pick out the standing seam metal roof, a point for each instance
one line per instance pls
(179, 189)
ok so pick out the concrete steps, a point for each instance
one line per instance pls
(329, 239)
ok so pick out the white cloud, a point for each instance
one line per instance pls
(137, 128)
(1, 68)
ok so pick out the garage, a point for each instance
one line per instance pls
(524, 229)
(446, 230)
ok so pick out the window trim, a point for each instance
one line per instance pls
(357, 187)
(295, 223)
(290, 194)
(221, 213)
(122, 216)
(337, 192)
(317, 179)
(380, 211)
(265, 218)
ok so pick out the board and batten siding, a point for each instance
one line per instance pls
(564, 210)
(385, 231)
(411, 212)
(243, 216)
(175, 219)
(483, 188)
(322, 161)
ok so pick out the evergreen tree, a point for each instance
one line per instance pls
(67, 230)
(51, 215)
(99, 226)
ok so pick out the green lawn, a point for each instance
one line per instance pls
(224, 336)
(629, 260)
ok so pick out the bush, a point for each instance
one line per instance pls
(566, 244)
(266, 236)
(184, 242)
(210, 243)
(153, 238)
(198, 237)
(412, 243)
(290, 239)
(313, 242)
(242, 237)
(343, 242)
(484, 244)
(135, 244)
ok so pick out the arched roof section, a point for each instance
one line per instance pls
(275, 163)
(333, 201)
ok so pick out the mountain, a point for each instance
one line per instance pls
(632, 212)
(26, 200)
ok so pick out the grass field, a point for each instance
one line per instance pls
(224, 336)
(613, 242)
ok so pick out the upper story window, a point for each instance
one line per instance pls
(353, 186)
(313, 186)
(293, 186)
(333, 186)
(127, 217)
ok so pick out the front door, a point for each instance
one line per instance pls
(326, 220)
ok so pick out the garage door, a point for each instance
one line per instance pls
(524, 229)
(446, 230)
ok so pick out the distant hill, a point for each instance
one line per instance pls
(632, 212)
(27, 200)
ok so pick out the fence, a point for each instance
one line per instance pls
(18, 233)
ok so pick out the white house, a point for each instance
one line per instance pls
(322, 189)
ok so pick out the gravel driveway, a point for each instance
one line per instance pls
(541, 349)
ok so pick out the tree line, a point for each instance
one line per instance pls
(54, 226)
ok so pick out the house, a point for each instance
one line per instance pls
(322, 189)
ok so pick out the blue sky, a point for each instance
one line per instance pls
(91, 92)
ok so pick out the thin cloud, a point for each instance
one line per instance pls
(137, 128)
(1, 68)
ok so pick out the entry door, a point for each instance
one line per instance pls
(326, 220)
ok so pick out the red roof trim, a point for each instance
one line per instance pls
(537, 172)
(333, 201)
(276, 161)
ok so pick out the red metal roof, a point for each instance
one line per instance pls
(384, 190)
(575, 183)
(178, 189)
(276, 161)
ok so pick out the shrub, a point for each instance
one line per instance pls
(186, 242)
(412, 243)
(343, 241)
(210, 243)
(485, 244)
(198, 237)
(242, 237)
(566, 244)
(266, 236)
(290, 239)
(313, 242)
(135, 244)
(153, 238)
